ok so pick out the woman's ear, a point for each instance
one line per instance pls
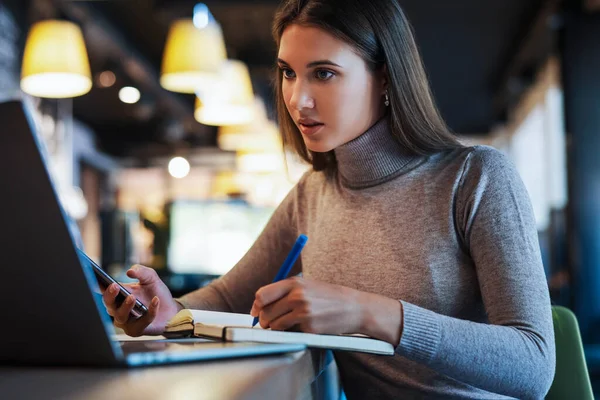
(385, 78)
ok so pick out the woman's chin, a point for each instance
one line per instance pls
(318, 147)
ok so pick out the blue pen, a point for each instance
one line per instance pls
(288, 264)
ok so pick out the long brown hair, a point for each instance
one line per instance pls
(381, 35)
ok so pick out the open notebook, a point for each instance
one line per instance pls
(233, 327)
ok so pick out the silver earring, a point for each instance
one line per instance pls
(387, 99)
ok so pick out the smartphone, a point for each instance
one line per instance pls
(105, 280)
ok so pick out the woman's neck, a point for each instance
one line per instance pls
(373, 158)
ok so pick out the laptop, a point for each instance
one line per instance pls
(50, 312)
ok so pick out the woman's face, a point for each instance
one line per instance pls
(328, 90)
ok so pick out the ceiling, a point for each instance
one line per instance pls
(473, 50)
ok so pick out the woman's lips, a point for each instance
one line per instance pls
(310, 129)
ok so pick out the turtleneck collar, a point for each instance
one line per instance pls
(373, 158)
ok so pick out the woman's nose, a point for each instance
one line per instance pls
(301, 97)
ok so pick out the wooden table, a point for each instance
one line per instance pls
(308, 374)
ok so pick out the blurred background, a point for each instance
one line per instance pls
(163, 146)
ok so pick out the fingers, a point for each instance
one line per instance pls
(284, 322)
(109, 296)
(122, 313)
(273, 292)
(274, 311)
(137, 327)
(145, 275)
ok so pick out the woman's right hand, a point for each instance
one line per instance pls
(151, 291)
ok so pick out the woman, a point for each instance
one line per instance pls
(414, 239)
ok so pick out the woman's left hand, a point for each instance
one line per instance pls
(309, 306)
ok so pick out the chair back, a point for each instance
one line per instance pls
(571, 380)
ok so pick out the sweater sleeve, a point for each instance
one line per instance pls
(513, 354)
(234, 292)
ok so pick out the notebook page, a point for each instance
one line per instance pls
(221, 318)
(340, 342)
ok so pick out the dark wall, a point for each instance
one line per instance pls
(580, 44)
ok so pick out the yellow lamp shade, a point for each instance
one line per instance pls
(55, 61)
(230, 101)
(192, 57)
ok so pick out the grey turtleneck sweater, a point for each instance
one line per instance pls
(452, 236)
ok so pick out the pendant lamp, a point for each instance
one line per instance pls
(192, 57)
(55, 61)
(230, 100)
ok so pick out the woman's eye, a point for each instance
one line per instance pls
(287, 73)
(323, 74)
